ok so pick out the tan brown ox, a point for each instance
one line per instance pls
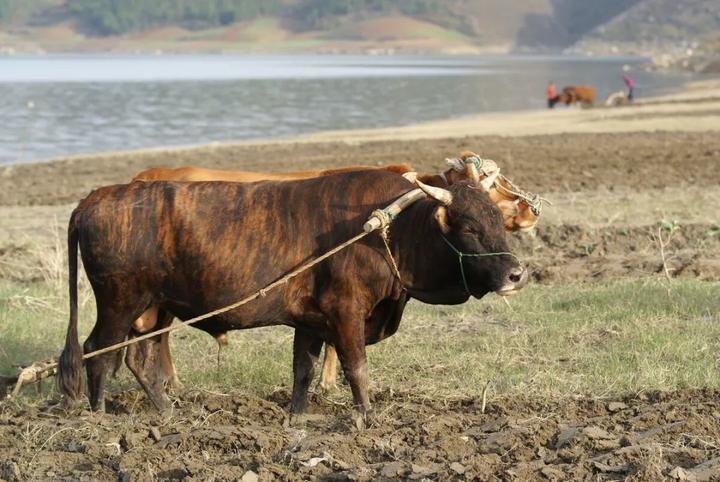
(519, 214)
(583, 94)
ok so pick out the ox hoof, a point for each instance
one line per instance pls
(166, 412)
(363, 419)
(326, 386)
(162, 404)
(175, 385)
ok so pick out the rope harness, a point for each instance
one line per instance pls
(384, 233)
(486, 167)
(535, 201)
(462, 255)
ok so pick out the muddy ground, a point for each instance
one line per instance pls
(610, 190)
(209, 436)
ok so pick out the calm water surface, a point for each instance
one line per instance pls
(53, 106)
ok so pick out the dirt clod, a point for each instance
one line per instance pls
(10, 471)
(249, 476)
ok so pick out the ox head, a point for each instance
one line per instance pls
(471, 224)
(519, 213)
(520, 209)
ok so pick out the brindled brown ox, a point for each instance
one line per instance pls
(520, 213)
(190, 248)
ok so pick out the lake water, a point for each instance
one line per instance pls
(52, 106)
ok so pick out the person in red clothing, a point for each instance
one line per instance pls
(630, 83)
(551, 95)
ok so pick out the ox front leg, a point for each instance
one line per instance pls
(350, 346)
(306, 350)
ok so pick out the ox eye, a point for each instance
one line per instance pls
(469, 230)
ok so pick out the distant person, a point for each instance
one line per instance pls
(630, 85)
(551, 95)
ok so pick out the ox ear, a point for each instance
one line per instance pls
(456, 164)
(508, 209)
(442, 219)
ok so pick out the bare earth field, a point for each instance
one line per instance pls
(605, 368)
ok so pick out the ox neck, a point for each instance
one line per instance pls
(428, 269)
(437, 180)
(443, 176)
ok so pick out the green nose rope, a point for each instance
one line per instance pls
(462, 255)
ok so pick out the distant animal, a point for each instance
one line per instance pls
(193, 247)
(519, 215)
(617, 98)
(583, 94)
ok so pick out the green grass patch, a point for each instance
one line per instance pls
(589, 339)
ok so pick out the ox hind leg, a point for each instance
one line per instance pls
(145, 362)
(306, 350)
(115, 315)
(328, 376)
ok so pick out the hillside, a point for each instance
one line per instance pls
(680, 35)
(658, 24)
(383, 26)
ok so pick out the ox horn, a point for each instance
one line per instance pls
(472, 172)
(488, 182)
(442, 195)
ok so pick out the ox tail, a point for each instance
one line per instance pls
(70, 379)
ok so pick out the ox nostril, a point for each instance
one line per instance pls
(518, 276)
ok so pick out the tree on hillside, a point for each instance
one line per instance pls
(312, 13)
(112, 17)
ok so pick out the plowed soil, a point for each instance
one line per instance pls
(544, 164)
(232, 437)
